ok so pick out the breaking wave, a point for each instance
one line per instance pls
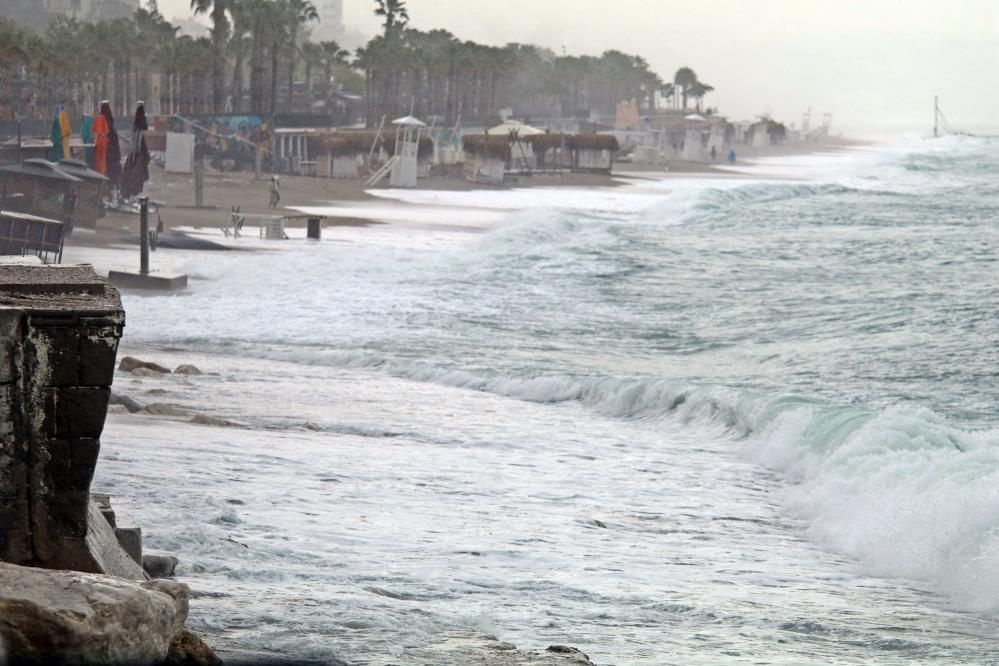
(902, 491)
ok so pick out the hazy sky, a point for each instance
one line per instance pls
(875, 64)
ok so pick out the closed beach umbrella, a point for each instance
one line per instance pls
(65, 129)
(136, 171)
(100, 130)
(56, 137)
(87, 134)
(107, 144)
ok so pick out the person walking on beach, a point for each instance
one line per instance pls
(731, 156)
(275, 192)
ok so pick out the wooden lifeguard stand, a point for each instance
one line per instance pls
(407, 142)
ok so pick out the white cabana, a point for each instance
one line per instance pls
(409, 121)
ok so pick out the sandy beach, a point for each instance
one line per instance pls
(174, 193)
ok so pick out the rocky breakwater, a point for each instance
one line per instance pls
(59, 333)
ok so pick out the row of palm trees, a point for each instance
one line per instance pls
(435, 74)
(257, 49)
(74, 62)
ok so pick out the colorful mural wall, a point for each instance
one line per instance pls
(227, 141)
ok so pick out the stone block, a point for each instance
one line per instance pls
(57, 348)
(129, 536)
(98, 347)
(84, 454)
(80, 411)
(67, 514)
(107, 554)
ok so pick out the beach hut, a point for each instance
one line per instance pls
(594, 152)
(486, 157)
(91, 192)
(38, 187)
(552, 150)
(346, 153)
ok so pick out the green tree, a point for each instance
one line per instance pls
(684, 79)
(395, 14)
(299, 12)
(220, 29)
(697, 92)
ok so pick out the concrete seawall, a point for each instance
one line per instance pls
(59, 333)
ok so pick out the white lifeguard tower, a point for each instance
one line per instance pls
(407, 143)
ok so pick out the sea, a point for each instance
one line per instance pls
(747, 418)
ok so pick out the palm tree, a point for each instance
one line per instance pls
(264, 20)
(668, 91)
(698, 90)
(220, 26)
(684, 79)
(333, 56)
(242, 24)
(312, 57)
(395, 13)
(300, 12)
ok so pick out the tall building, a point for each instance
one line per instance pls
(330, 24)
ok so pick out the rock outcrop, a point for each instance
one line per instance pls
(130, 364)
(469, 647)
(68, 617)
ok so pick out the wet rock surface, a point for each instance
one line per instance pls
(68, 617)
(159, 566)
(130, 364)
(188, 649)
(468, 648)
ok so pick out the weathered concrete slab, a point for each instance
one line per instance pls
(156, 281)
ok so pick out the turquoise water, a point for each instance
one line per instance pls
(776, 395)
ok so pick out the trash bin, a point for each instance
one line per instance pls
(315, 228)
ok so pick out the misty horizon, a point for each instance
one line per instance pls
(874, 68)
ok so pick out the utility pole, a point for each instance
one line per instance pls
(936, 116)
(144, 236)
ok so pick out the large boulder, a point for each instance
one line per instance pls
(189, 650)
(130, 364)
(67, 617)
